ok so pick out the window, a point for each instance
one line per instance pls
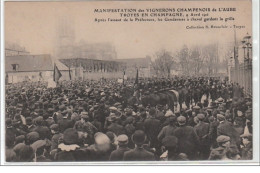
(15, 67)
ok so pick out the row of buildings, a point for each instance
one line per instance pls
(29, 67)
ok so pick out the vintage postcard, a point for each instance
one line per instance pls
(133, 82)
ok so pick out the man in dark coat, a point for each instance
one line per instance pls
(118, 154)
(65, 123)
(202, 130)
(219, 153)
(168, 130)
(226, 128)
(152, 128)
(114, 126)
(213, 125)
(44, 132)
(246, 148)
(188, 139)
(139, 153)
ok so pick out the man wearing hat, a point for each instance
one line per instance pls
(56, 136)
(246, 147)
(139, 153)
(170, 144)
(152, 128)
(220, 152)
(225, 128)
(188, 139)
(168, 130)
(29, 124)
(114, 126)
(65, 122)
(101, 149)
(69, 150)
(118, 154)
(202, 130)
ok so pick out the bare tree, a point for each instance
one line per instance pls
(195, 60)
(210, 54)
(163, 63)
(183, 57)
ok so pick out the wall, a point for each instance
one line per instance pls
(15, 77)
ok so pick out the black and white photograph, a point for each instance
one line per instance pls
(128, 82)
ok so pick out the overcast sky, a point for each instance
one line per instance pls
(34, 24)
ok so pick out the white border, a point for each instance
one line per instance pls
(255, 161)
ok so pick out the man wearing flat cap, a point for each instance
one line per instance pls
(246, 147)
(169, 129)
(139, 153)
(188, 139)
(152, 127)
(202, 130)
(226, 128)
(220, 152)
(118, 154)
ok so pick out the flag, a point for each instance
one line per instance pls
(123, 78)
(69, 73)
(56, 74)
(136, 78)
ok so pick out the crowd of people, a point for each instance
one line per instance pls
(92, 121)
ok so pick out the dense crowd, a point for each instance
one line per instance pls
(94, 121)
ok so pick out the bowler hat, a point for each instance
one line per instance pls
(139, 137)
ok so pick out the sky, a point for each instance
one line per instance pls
(33, 25)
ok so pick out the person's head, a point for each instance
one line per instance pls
(139, 137)
(26, 154)
(152, 112)
(111, 136)
(54, 128)
(20, 139)
(196, 120)
(70, 136)
(122, 140)
(233, 153)
(220, 117)
(172, 120)
(246, 139)
(102, 141)
(38, 121)
(84, 117)
(29, 121)
(32, 137)
(201, 117)
(223, 141)
(181, 120)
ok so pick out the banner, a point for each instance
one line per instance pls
(56, 74)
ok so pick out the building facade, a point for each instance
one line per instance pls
(32, 68)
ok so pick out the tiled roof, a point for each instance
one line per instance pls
(28, 63)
